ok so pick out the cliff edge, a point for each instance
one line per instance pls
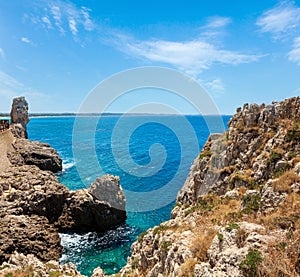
(238, 211)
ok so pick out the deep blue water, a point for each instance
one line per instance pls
(156, 154)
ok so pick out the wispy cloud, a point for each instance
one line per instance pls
(47, 22)
(2, 54)
(26, 40)
(294, 54)
(215, 85)
(65, 16)
(11, 87)
(280, 20)
(217, 22)
(191, 56)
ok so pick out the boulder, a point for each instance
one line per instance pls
(83, 212)
(107, 189)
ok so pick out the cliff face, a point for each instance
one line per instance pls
(237, 213)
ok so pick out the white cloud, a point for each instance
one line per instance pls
(57, 16)
(72, 25)
(280, 19)
(215, 85)
(11, 87)
(218, 22)
(190, 56)
(87, 23)
(47, 22)
(2, 54)
(67, 16)
(294, 54)
(25, 40)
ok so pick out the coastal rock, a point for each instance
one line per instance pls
(107, 189)
(30, 265)
(29, 190)
(238, 206)
(83, 212)
(19, 117)
(35, 153)
(28, 234)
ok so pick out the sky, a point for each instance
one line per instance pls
(55, 52)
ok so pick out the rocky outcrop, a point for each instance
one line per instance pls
(19, 117)
(98, 208)
(237, 213)
(28, 235)
(30, 265)
(30, 193)
(28, 152)
(108, 190)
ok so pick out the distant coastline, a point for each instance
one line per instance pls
(36, 115)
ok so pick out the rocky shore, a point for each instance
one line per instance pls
(35, 207)
(236, 215)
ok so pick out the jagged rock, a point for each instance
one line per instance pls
(29, 190)
(28, 234)
(30, 265)
(35, 153)
(85, 212)
(19, 117)
(107, 189)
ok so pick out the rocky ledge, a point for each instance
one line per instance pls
(239, 209)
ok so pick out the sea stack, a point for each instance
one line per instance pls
(19, 117)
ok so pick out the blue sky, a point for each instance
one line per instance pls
(54, 52)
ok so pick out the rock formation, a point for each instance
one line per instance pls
(19, 117)
(28, 192)
(34, 206)
(28, 152)
(238, 211)
(94, 209)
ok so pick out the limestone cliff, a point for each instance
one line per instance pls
(238, 211)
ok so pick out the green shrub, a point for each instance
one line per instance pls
(220, 237)
(252, 261)
(141, 236)
(251, 203)
(232, 226)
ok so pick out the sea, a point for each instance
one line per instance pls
(152, 155)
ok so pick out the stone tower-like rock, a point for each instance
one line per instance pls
(19, 117)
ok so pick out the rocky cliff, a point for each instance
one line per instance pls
(34, 206)
(238, 211)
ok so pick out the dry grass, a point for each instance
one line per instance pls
(284, 182)
(277, 263)
(202, 242)
(187, 268)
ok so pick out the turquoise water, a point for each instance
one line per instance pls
(111, 249)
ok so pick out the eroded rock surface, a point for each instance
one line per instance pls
(19, 117)
(35, 153)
